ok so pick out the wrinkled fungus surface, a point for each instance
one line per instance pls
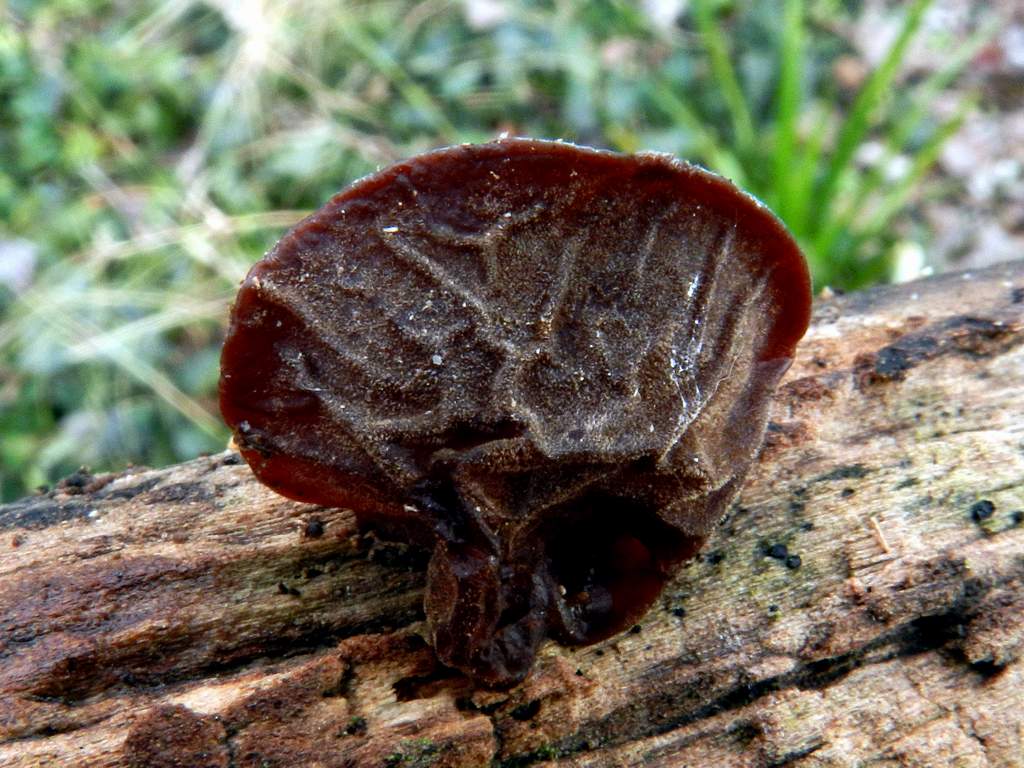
(550, 365)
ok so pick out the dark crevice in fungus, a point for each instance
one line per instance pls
(548, 366)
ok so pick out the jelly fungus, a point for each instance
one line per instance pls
(549, 365)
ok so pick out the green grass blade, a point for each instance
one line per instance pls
(413, 93)
(724, 73)
(847, 249)
(706, 142)
(926, 93)
(876, 179)
(154, 380)
(866, 105)
(136, 334)
(913, 118)
(788, 103)
(802, 178)
(923, 161)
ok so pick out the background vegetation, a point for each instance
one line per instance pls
(151, 151)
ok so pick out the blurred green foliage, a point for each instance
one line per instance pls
(151, 151)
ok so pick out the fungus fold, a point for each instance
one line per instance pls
(549, 365)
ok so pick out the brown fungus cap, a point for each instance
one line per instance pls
(549, 364)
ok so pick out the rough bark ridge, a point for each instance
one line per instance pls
(863, 601)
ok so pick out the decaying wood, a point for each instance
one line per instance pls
(189, 617)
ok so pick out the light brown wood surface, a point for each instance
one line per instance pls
(189, 617)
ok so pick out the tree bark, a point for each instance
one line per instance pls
(189, 617)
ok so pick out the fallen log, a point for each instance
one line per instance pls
(863, 602)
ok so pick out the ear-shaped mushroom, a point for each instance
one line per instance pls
(549, 364)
